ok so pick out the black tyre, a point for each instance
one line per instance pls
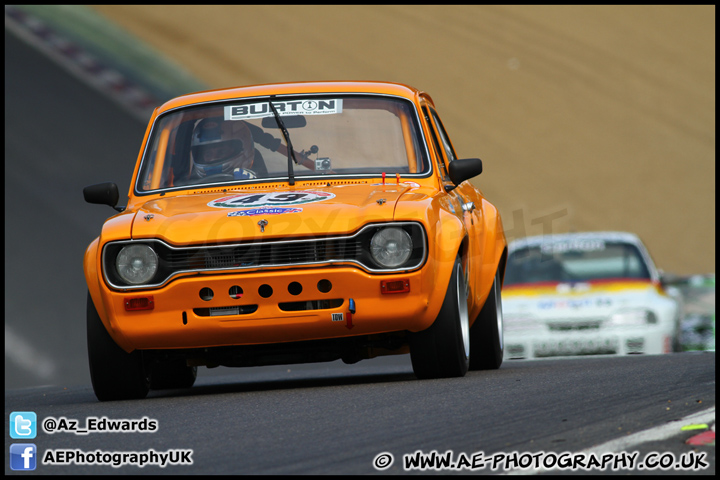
(486, 334)
(115, 374)
(172, 374)
(443, 350)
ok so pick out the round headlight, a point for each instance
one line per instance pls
(136, 264)
(391, 247)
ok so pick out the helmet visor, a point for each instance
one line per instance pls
(213, 153)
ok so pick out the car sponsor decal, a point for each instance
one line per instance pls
(291, 107)
(574, 303)
(263, 211)
(576, 245)
(274, 199)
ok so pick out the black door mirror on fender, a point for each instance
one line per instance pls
(464, 169)
(103, 194)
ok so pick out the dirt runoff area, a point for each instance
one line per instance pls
(586, 117)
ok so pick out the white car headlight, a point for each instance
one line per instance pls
(633, 318)
(136, 264)
(391, 247)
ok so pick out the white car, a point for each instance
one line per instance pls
(588, 293)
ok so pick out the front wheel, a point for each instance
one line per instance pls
(486, 334)
(443, 350)
(115, 374)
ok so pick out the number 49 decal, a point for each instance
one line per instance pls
(270, 199)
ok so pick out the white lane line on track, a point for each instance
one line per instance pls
(21, 352)
(658, 433)
(624, 444)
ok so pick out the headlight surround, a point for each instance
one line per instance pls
(633, 318)
(391, 247)
(173, 261)
(136, 264)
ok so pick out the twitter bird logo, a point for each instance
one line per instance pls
(23, 425)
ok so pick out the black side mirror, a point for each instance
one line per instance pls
(103, 194)
(464, 169)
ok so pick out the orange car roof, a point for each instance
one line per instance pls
(293, 88)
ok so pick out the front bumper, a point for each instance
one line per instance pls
(275, 306)
(619, 341)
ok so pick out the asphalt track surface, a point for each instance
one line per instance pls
(309, 419)
(315, 419)
(60, 136)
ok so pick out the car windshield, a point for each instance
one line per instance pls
(575, 261)
(240, 141)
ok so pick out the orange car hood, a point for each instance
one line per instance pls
(231, 216)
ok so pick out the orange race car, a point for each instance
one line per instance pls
(238, 247)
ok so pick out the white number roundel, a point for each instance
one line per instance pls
(270, 199)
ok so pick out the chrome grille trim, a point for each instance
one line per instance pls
(336, 250)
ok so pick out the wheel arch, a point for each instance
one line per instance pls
(494, 257)
(92, 279)
(448, 239)
(97, 295)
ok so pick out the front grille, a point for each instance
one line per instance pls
(259, 255)
(311, 305)
(574, 325)
(225, 311)
(353, 249)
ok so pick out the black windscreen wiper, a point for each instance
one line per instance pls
(291, 151)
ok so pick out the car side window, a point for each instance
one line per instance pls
(441, 164)
(449, 151)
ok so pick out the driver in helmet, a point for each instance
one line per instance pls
(222, 147)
